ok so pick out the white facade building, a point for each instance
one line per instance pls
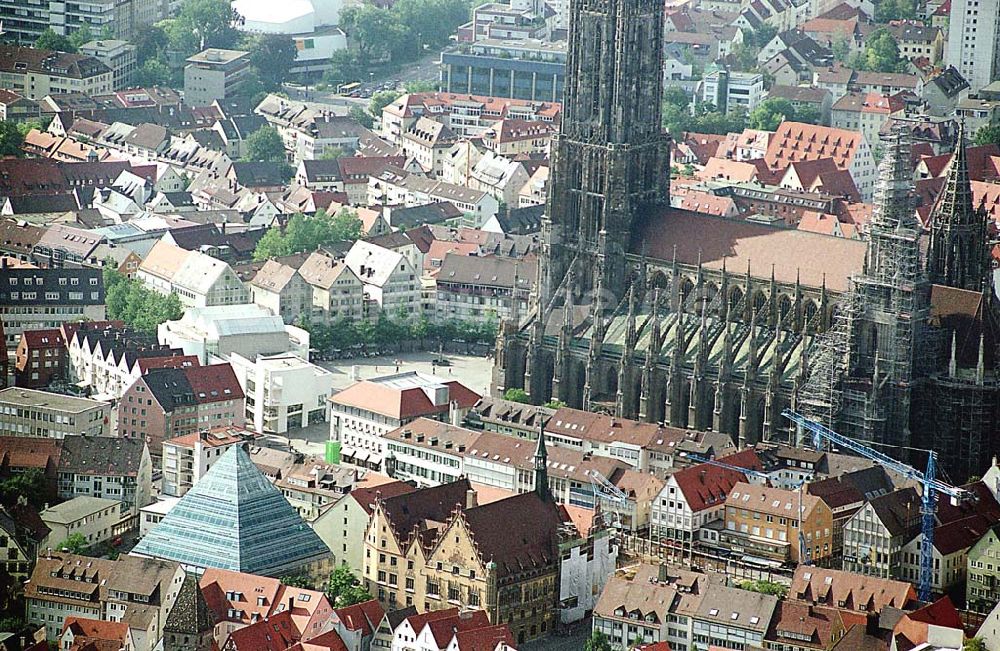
(390, 282)
(283, 391)
(974, 41)
(212, 333)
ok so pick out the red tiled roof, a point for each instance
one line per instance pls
(444, 629)
(175, 361)
(96, 628)
(364, 617)
(28, 452)
(403, 404)
(418, 621)
(795, 141)
(366, 496)
(486, 638)
(47, 338)
(209, 383)
(706, 485)
(329, 641)
(275, 633)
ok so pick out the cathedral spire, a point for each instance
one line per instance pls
(958, 255)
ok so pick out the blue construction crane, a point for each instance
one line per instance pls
(804, 556)
(930, 484)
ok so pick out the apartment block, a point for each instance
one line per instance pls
(974, 41)
(103, 466)
(40, 358)
(214, 74)
(764, 523)
(97, 519)
(29, 412)
(119, 56)
(187, 458)
(36, 73)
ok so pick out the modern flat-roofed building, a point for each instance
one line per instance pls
(214, 74)
(283, 391)
(187, 458)
(119, 56)
(29, 412)
(527, 69)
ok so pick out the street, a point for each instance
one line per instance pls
(424, 69)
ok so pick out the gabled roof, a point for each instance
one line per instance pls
(276, 633)
(366, 497)
(101, 455)
(832, 587)
(363, 617)
(706, 485)
(515, 533)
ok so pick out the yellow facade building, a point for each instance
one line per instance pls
(438, 548)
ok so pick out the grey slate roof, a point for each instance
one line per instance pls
(100, 455)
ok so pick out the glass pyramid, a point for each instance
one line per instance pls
(235, 519)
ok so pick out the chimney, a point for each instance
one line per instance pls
(454, 415)
(291, 604)
(701, 475)
(471, 501)
(662, 574)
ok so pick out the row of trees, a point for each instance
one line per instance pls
(139, 307)
(386, 330)
(309, 233)
(678, 116)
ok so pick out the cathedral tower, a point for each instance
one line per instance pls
(959, 253)
(611, 156)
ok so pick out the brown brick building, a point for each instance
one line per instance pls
(40, 358)
(170, 402)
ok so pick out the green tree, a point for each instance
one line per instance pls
(676, 96)
(974, 644)
(421, 86)
(344, 589)
(887, 10)
(297, 581)
(881, 54)
(273, 55)
(333, 153)
(382, 99)
(75, 544)
(763, 35)
(81, 36)
(770, 113)
(363, 117)
(345, 67)
(555, 404)
(765, 587)
(265, 144)
(598, 641)
(11, 139)
(138, 306)
(29, 485)
(202, 24)
(841, 48)
(49, 40)
(374, 31)
(808, 114)
(517, 395)
(151, 73)
(988, 135)
(304, 233)
(150, 43)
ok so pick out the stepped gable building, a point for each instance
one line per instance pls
(666, 315)
(911, 358)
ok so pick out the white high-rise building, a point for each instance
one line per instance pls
(974, 41)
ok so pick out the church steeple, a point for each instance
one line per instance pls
(958, 255)
(542, 467)
(610, 159)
